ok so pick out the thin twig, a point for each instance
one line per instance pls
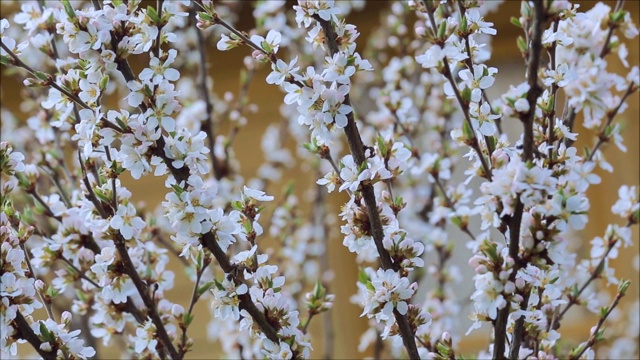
(194, 299)
(79, 272)
(208, 125)
(610, 117)
(593, 337)
(47, 304)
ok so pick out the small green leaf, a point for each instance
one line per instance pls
(382, 146)
(617, 16)
(237, 205)
(522, 44)
(515, 21)
(68, 9)
(46, 334)
(204, 288)
(102, 196)
(442, 30)
(153, 15)
(363, 278)
(623, 287)
(464, 25)
(205, 16)
(467, 131)
(466, 94)
(187, 318)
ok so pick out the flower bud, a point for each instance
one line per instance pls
(177, 310)
(509, 287)
(446, 337)
(258, 55)
(481, 269)
(40, 285)
(503, 275)
(475, 260)
(66, 318)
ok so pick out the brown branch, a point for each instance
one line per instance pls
(515, 221)
(25, 332)
(143, 290)
(594, 333)
(446, 72)
(357, 150)
(246, 302)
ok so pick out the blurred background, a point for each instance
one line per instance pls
(348, 326)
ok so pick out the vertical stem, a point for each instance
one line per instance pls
(207, 124)
(357, 150)
(514, 222)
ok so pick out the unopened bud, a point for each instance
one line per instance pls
(481, 270)
(509, 287)
(66, 317)
(177, 310)
(446, 337)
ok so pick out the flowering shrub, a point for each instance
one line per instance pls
(414, 112)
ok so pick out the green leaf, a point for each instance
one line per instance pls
(618, 16)
(442, 349)
(623, 287)
(363, 278)
(187, 318)
(608, 130)
(603, 311)
(464, 25)
(442, 30)
(103, 82)
(46, 334)
(237, 205)
(101, 196)
(515, 21)
(522, 44)
(493, 141)
(199, 259)
(52, 292)
(466, 94)
(382, 146)
(318, 290)
(205, 16)
(467, 131)
(177, 189)
(68, 9)
(153, 14)
(204, 288)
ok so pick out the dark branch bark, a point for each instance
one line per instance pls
(357, 151)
